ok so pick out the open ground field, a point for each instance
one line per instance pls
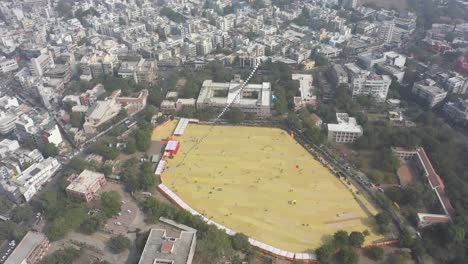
(261, 182)
(406, 174)
(164, 130)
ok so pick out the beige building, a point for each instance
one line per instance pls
(86, 185)
(30, 250)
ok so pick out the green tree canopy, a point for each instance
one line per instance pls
(119, 243)
(22, 213)
(356, 239)
(235, 115)
(111, 203)
(241, 242)
(50, 150)
(348, 256)
(376, 253)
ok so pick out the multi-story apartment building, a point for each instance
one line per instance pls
(7, 122)
(346, 131)
(38, 66)
(142, 72)
(457, 111)
(457, 85)
(365, 82)
(90, 97)
(98, 64)
(7, 65)
(30, 181)
(429, 92)
(386, 31)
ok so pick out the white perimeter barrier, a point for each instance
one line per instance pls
(307, 257)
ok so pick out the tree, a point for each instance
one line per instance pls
(400, 257)
(281, 105)
(241, 242)
(50, 150)
(142, 140)
(215, 246)
(324, 252)
(119, 243)
(356, 239)
(376, 176)
(341, 238)
(376, 253)
(235, 116)
(22, 213)
(64, 255)
(92, 223)
(147, 178)
(68, 219)
(103, 149)
(456, 233)
(111, 203)
(293, 121)
(77, 119)
(383, 219)
(131, 146)
(348, 256)
(150, 111)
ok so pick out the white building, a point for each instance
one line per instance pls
(7, 122)
(306, 90)
(457, 85)
(7, 65)
(31, 180)
(346, 131)
(39, 65)
(429, 92)
(365, 82)
(254, 98)
(386, 31)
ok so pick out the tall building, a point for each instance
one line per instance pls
(457, 111)
(429, 92)
(346, 131)
(30, 250)
(365, 82)
(386, 31)
(39, 65)
(457, 85)
(7, 122)
(350, 3)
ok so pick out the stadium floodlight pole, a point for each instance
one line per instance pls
(238, 94)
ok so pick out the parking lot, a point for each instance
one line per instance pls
(120, 224)
(6, 249)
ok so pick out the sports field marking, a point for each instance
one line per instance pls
(261, 182)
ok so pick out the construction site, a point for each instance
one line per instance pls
(261, 182)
